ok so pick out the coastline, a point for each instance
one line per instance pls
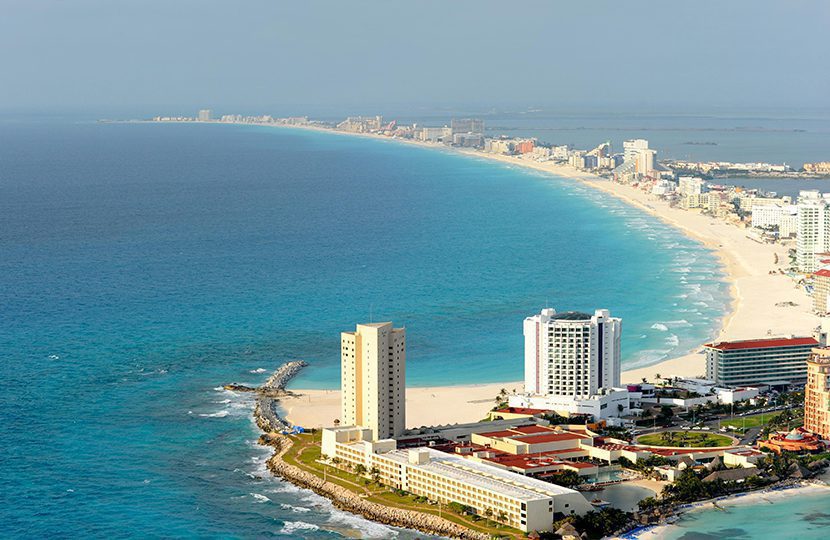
(746, 265)
(662, 531)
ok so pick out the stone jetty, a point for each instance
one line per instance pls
(268, 396)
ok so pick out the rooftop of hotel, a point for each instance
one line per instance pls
(539, 438)
(521, 410)
(484, 476)
(534, 461)
(503, 433)
(747, 452)
(532, 429)
(571, 316)
(535, 434)
(762, 343)
(661, 451)
(518, 461)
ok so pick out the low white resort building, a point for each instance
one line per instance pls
(519, 501)
(604, 405)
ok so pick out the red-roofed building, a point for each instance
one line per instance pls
(530, 440)
(798, 440)
(529, 430)
(536, 464)
(773, 361)
(510, 413)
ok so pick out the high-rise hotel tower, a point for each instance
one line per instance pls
(571, 354)
(373, 379)
(817, 393)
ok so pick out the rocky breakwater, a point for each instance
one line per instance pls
(349, 501)
(268, 395)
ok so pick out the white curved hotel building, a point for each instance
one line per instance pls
(571, 354)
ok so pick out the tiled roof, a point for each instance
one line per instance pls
(762, 343)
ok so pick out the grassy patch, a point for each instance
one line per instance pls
(685, 439)
(306, 451)
(756, 420)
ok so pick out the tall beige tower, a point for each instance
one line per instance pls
(373, 379)
(817, 393)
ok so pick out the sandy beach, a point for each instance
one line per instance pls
(746, 264)
(765, 496)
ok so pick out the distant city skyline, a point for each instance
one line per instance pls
(98, 56)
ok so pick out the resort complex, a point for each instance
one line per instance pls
(521, 502)
(373, 360)
(524, 465)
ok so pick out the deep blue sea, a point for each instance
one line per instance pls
(142, 266)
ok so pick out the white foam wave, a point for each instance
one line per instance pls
(648, 357)
(284, 487)
(295, 509)
(260, 497)
(367, 529)
(220, 414)
(682, 323)
(661, 327)
(673, 340)
(292, 527)
(258, 370)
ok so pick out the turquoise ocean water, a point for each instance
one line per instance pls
(796, 515)
(143, 266)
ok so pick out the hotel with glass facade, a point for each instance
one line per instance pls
(773, 361)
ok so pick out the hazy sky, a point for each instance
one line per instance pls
(114, 55)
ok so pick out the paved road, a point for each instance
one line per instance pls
(750, 436)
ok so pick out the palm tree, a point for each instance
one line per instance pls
(375, 473)
(502, 516)
(488, 513)
(360, 469)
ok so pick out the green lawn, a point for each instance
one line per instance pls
(685, 439)
(756, 420)
(306, 451)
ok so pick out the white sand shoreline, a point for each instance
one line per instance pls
(746, 265)
(769, 496)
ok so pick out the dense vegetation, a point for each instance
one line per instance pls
(568, 479)
(597, 524)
